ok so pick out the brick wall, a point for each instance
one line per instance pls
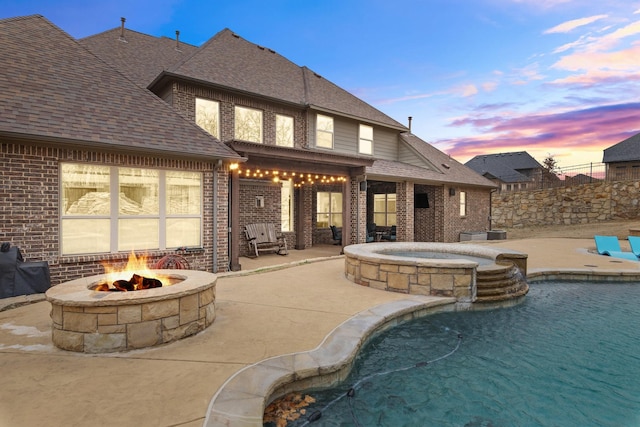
(250, 213)
(184, 100)
(424, 218)
(476, 219)
(30, 193)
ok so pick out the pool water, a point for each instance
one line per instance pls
(569, 355)
(441, 255)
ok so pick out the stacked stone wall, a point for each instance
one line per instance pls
(581, 204)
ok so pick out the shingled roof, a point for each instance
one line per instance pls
(139, 56)
(55, 90)
(444, 170)
(624, 151)
(231, 62)
(504, 166)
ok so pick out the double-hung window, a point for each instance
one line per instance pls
(208, 116)
(284, 130)
(324, 131)
(365, 143)
(248, 124)
(384, 209)
(329, 209)
(112, 209)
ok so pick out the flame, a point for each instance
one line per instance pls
(135, 265)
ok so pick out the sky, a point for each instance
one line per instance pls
(556, 78)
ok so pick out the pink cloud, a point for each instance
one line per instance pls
(592, 129)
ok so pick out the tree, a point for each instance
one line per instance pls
(549, 174)
(550, 164)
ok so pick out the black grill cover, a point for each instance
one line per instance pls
(21, 278)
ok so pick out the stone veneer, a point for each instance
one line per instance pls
(103, 322)
(373, 265)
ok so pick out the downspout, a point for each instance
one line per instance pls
(215, 215)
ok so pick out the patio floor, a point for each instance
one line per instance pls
(276, 305)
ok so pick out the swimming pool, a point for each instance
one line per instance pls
(568, 355)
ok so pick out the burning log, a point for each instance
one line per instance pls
(136, 283)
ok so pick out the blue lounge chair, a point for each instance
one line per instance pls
(609, 245)
(634, 242)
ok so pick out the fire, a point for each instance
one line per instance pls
(135, 275)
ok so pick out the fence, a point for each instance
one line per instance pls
(572, 175)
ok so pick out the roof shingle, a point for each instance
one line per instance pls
(54, 89)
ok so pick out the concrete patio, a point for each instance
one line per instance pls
(277, 305)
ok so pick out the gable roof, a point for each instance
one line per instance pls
(230, 62)
(55, 90)
(624, 151)
(444, 169)
(504, 166)
(139, 56)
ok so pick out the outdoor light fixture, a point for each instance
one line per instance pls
(452, 191)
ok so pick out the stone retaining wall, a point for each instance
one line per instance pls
(580, 204)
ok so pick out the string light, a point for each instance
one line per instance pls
(298, 179)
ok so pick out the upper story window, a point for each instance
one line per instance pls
(384, 209)
(463, 203)
(284, 130)
(208, 116)
(113, 209)
(324, 131)
(248, 124)
(365, 144)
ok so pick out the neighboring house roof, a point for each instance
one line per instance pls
(624, 151)
(53, 89)
(442, 169)
(504, 166)
(139, 56)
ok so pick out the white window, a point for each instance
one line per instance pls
(286, 205)
(155, 209)
(324, 131)
(328, 209)
(248, 124)
(208, 116)
(284, 130)
(365, 145)
(384, 209)
(463, 203)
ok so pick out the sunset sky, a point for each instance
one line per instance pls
(550, 77)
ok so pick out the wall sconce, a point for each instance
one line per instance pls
(452, 191)
(259, 201)
(363, 185)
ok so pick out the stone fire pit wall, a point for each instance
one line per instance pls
(102, 322)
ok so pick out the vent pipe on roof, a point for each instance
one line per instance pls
(410, 118)
(122, 29)
(177, 39)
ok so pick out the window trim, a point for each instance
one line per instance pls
(386, 212)
(332, 132)
(361, 139)
(285, 116)
(115, 215)
(217, 134)
(330, 213)
(235, 123)
(463, 203)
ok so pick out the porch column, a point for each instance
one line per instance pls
(234, 220)
(347, 238)
(404, 211)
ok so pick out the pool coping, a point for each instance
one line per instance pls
(242, 399)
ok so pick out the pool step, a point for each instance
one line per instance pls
(499, 282)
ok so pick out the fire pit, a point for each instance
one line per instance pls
(93, 321)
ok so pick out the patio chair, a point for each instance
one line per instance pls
(336, 235)
(634, 242)
(390, 235)
(371, 232)
(609, 245)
